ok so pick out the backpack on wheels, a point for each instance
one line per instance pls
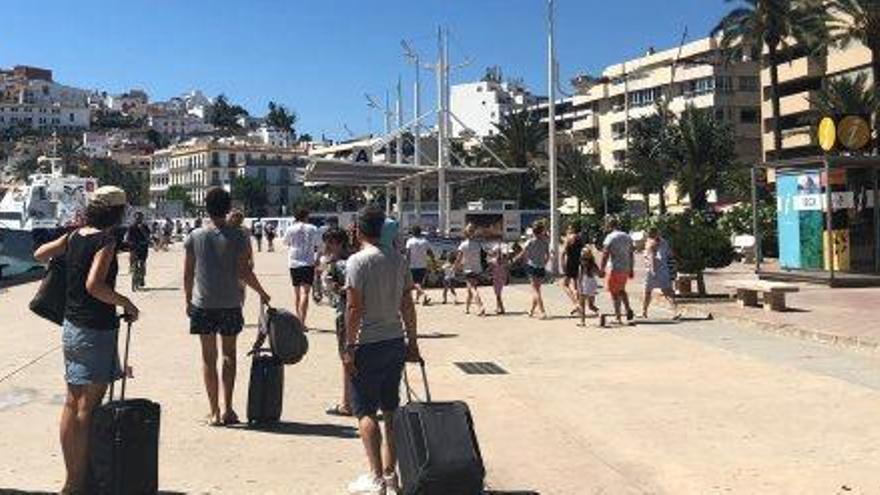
(287, 337)
(437, 448)
(124, 450)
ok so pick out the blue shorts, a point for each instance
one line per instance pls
(418, 275)
(536, 272)
(90, 356)
(376, 384)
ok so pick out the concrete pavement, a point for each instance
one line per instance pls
(695, 407)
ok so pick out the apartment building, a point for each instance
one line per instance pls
(596, 120)
(801, 76)
(481, 105)
(49, 117)
(199, 164)
(177, 124)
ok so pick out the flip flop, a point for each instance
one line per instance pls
(338, 410)
(213, 422)
(232, 419)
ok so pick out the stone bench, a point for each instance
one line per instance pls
(773, 293)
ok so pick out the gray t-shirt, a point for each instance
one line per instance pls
(620, 247)
(536, 252)
(216, 251)
(381, 277)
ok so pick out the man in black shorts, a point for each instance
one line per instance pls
(217, 258)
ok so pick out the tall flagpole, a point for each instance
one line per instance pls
(551, 143)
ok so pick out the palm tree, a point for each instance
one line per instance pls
(519, 143)
(703, 149)
(646, 159)
(771, 24)
(858, 21)
(846, 95)
(587, 180)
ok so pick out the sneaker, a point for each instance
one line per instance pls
(392, 485)
(367, 484)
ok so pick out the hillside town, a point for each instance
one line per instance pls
(553, 269)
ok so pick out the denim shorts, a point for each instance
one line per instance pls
(90, 356)
(376, 383)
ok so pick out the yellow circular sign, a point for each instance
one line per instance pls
(854, 132)
(827, 134)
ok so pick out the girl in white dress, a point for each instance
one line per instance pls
(587, 285)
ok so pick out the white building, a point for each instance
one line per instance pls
(272, 136)
(481, 105)
(177, 125)
(132, 103)
(96, 144)
(44, 117)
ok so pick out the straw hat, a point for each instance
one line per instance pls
(109, 195)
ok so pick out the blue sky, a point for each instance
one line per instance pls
(320, 57)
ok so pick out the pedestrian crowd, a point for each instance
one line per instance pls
(373, 279)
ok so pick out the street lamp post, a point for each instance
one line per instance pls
(551, 143)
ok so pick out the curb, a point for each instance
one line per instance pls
(787, 330)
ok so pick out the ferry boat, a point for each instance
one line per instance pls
(38, 212)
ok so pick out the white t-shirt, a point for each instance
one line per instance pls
(470, 260)
(619, 246)
(303, 242)
(418, 247)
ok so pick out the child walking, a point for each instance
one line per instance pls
(499, 277)
(587, 285)
(449, 277)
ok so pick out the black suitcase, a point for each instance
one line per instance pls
(437, 449)
(266, 388)
(124, 450)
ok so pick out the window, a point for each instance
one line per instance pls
(724, 84)
(232, 159)
(619, 156)
(700, 86)
(261, 174)
(749, 116)
(215, 178)
(618, 130)
(71, 118)
(749, 83)
(215, 159)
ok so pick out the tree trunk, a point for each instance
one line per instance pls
(774, 99)
(875, 70)
(580, 207)
(647, 196)
(662, 200)
(701, 284)
(698, 199)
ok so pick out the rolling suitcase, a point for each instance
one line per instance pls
(437, 449)
(266, 387)
(124, 451)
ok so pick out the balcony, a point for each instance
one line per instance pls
(796, 69)
(588, 121)
(791, 104)
(795, 137)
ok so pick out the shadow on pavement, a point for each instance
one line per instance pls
(510, 492)
(159, 289)
(437, 335)
(303, 429)
(11, 491)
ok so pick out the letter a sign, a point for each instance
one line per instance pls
(361, 155)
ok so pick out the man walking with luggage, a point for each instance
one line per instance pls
(618, 251)
(217, 258)
(380, 309)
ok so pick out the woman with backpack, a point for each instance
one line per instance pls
(90, 326)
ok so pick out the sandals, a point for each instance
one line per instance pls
(339, 410)
(230, 419)
(213, 421)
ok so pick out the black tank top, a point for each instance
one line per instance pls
(83, 310)
(573, 256)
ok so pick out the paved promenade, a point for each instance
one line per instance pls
(689, 408)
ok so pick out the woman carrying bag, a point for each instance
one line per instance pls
(90, 325)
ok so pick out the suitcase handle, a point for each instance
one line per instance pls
(409, 392)
(124, 361)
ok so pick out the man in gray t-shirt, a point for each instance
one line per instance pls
(380, 310)
(217, 259)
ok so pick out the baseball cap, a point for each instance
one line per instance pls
(109, 195)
